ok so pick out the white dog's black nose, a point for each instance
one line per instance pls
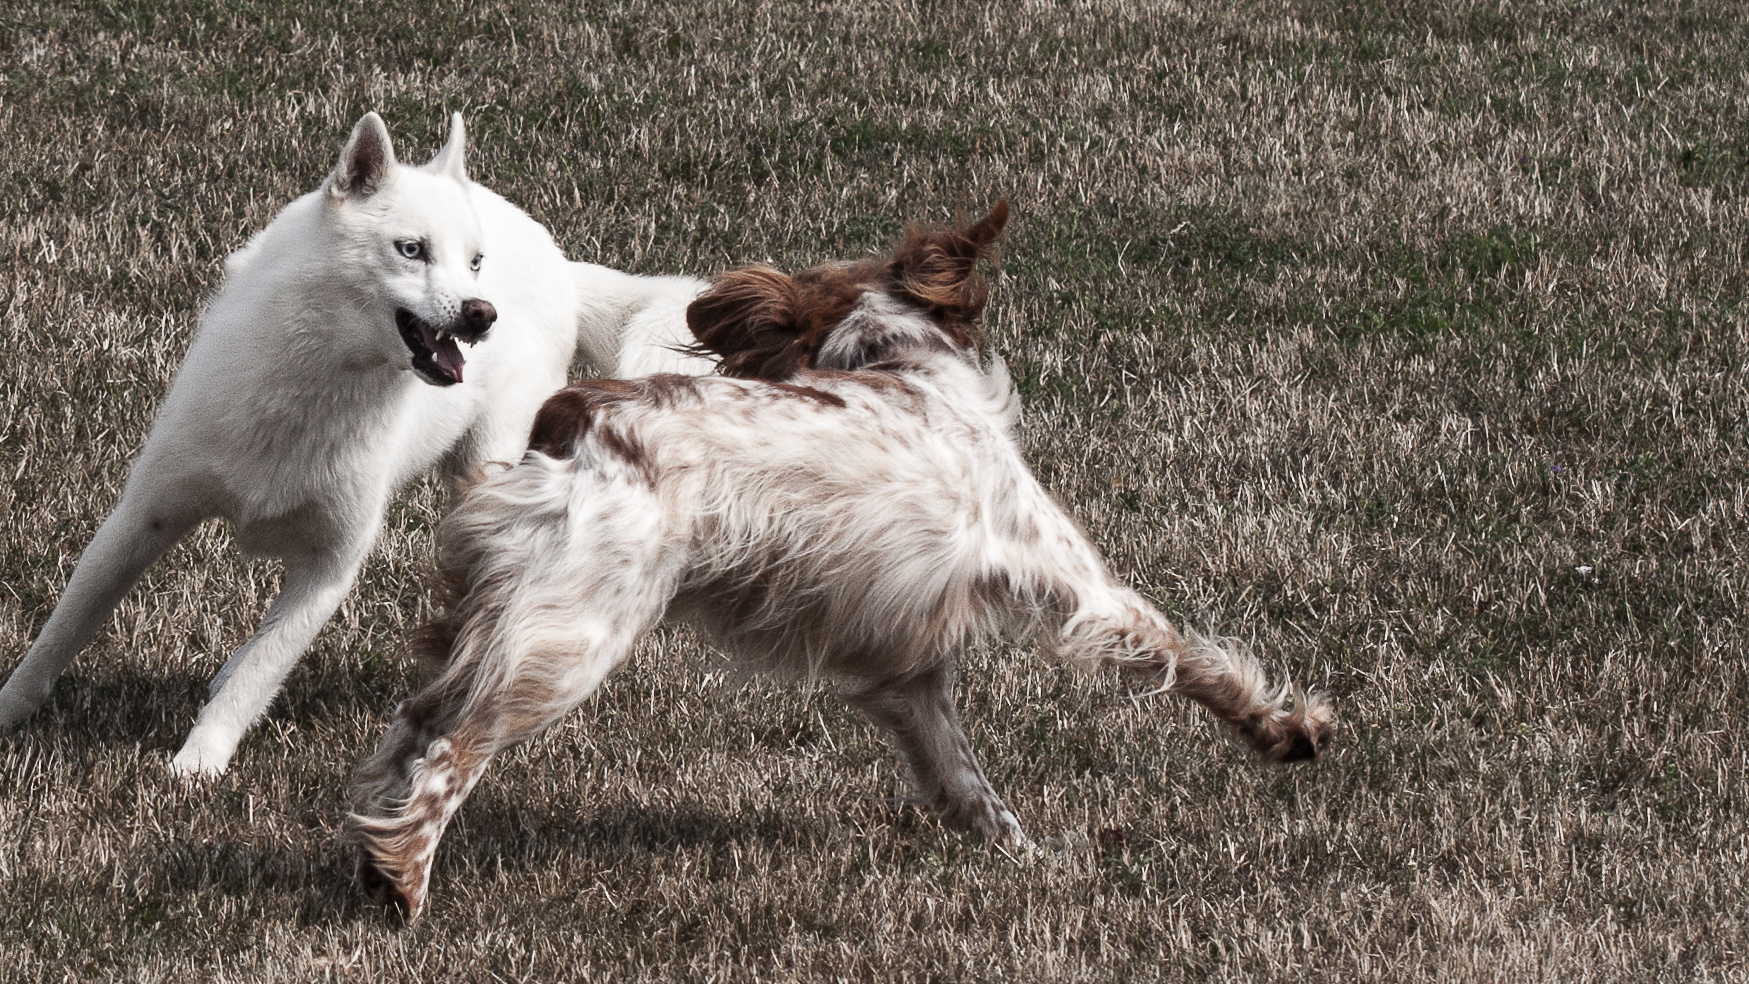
(477, 317)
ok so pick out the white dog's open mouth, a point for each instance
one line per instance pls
(436, 356)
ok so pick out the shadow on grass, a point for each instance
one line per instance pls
(129, 706)
(493, 837)
(317, 881)
(119, 707)
(496, 832)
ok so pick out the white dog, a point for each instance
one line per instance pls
(326, 374)
(854, 506)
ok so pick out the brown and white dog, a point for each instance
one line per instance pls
(847, 499)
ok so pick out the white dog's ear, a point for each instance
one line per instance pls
(452, 160)
(365, 161)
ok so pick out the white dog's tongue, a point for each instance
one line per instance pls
(444, 352)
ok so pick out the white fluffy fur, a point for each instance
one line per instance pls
(862, 523)
(296, 414)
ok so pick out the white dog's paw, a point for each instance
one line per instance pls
(198, 763)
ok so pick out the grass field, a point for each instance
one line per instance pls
(1406, 344)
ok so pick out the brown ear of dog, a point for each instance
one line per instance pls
(938, 269)
(750, 320)
(763, 324)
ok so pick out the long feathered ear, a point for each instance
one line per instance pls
(452, 160)
(984, 232)
(365, 161)
(939, 268)
(751, 321)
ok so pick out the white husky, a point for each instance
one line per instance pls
(325, 375)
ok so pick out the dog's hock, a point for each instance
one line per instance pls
(365, 161)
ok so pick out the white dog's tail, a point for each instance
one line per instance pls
(629, 326)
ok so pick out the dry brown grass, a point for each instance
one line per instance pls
(1407, 344)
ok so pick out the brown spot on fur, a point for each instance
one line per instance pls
(569, 414)
(663, 389)
(618, 443)
(561, 423)
(880, 383)
(607, 391)
(810, 393)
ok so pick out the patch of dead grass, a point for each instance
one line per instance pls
(1406, 342)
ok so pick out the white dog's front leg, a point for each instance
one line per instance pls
(314, 588)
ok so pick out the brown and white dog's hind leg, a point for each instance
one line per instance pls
(920, 714)
(1118, 626)
(1085, 615)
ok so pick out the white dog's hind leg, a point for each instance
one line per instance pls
(137, 533)
(919, 713)
(314, 587)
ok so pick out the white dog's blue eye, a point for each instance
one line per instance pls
(412, 249)
(474, 265)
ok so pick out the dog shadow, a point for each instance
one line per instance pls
(120, 707)
(127, 707)
(506, 840)
(489, 835)
(500, 833)
(318, 882)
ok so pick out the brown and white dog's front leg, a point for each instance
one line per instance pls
(498, 691)
(400, 836)
(919, 713)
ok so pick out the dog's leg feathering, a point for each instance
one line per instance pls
(498, 691)
(1083, 613)
(543, 603)
(1280, 724)
(398, 836)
